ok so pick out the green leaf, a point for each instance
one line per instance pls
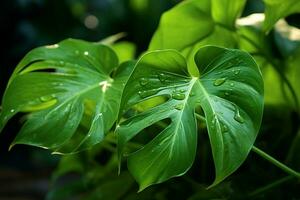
(276, 9)
(125, 50)
(230, 92)
(279, 86)
(59, 85)
(193, 24)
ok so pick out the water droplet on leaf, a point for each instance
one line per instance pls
(62, 63)
(144, 81)
(179, 106)
(213, 121)
(162, 77)
(12, 110)
(147, 93)
(237, 116)
(178, 96)
(46, 98)
(219, 81)
(236, 71)
(224, 128)
(192, 94)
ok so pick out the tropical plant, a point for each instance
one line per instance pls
(206, 70)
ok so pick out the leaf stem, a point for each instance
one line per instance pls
(276, 162)
(266, 156)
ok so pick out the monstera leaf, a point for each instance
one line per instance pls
(60, 86)
(276, 9)
(230, 92)
(193, 24)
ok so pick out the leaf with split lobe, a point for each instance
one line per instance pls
(60, 85)
(229, 90)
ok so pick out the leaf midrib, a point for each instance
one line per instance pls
(185, 102)
(207, 98)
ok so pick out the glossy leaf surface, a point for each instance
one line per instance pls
(230, 92)
(60, 85)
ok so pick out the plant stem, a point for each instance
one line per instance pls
(267, 157)
(270, 186)
(276, 162)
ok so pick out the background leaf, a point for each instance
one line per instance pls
(277, 63)
(276, 9)
(229, 90)
(193, 24)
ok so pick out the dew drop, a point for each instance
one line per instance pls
(237, 116)
(62, 63)
(213, 121)
(46, 98)
(12, 110)
(219, 81)
(77, 53)
(236, 71)
(162, 77)
(224, 128)
(147, 93)
(144, 81)
(192, 94)
(227, 93)
(231, 84)
(179, 106)
(86, 53)
(182, 90)
(178, 96)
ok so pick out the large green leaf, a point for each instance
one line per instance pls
(193, 24)
(230, 92)
(61, 85)
(276, 9)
